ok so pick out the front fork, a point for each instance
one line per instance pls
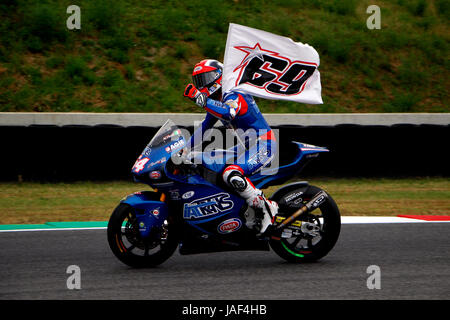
(150, 209)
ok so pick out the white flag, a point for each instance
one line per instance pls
(269, 66)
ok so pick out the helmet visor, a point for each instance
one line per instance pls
(204, 79)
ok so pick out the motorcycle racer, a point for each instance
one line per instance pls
(235, 110)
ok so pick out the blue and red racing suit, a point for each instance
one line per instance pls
(240, 112)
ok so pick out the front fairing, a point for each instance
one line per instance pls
(204, 206)
(149, 168)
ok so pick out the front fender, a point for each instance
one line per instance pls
(150, 211)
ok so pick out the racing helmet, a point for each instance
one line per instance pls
(207, 77)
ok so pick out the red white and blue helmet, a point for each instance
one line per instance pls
(207, 76)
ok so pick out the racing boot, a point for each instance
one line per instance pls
(234, 177)
(269, 209)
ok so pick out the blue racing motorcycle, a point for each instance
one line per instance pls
(190, 207)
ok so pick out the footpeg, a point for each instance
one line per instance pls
(287, 233)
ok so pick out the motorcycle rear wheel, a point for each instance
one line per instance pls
(129, 247)
(304, 247)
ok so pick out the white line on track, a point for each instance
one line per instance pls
(344, 220)
(53, 229)
(363, 219)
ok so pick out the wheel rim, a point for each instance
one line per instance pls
(304, 243)
(130, 242)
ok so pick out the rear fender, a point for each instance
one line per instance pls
(283, 194)
(150, 211)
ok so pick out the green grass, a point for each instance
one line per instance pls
(137, 56)
(88, 201)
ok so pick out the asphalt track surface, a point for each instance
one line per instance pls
(414, 260)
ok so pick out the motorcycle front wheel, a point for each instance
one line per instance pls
(129, 247)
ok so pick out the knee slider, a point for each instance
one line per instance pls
(235, 179)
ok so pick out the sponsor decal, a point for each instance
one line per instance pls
(155, 174)
(208, 206)
(260, 157)
(318, 201)
(174, 146)
(175, 133)
(147, 151)
(293, 196)
(188, 195)
(233, 103)
(162, 160)
(214, 88)
(174, 194)
(229, 226)
(155, 212)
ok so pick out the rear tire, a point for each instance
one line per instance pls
(129, 247)
(305, 248)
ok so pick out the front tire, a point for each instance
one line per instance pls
(129, 247)
(304, 247)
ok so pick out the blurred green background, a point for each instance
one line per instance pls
(137, 56)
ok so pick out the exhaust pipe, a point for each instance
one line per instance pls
(313, 204)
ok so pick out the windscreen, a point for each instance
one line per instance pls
(169, 138)
(167, 133)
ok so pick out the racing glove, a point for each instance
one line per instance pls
(192, 93)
